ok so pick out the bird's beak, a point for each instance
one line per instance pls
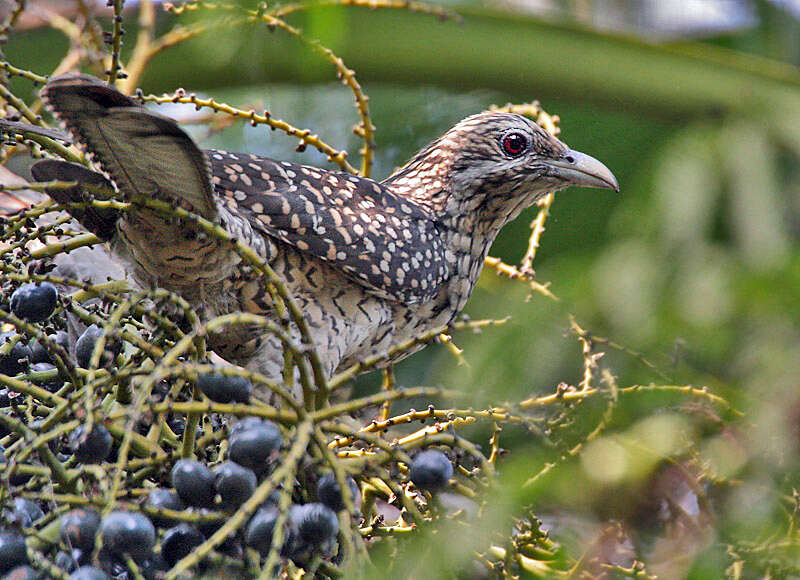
(576, 168)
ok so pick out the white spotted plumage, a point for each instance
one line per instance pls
(370, 264)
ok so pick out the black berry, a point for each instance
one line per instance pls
(255, 446)
(330, 493)
(91, 447)
(246, 423)
(179, 542)
(78, 529)
(39, 353)
(22, 512)
(84, 346)
(128, 533)
(51, 384)
(260, 529)
(18, 357)
(34, 302)
(12, 551)
(230, 546)
(225, 389)
(65, 561)
(194, 482)
(431, 470)
(164, 499)
(316, 523)
(234, 483)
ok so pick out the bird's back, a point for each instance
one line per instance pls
(389, 245)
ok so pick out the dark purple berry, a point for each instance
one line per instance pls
(39, 353)
(128, 533)
(113, 566)
(255, 446)
(234, 483)
(225, 389)
(330, 493)
(84, 346)
(52, 384)
(12, 550)
(34, 302)
(431, 470)
(16, 478)
(246, 423)
(78, 528)
(18, 357)
(65, 561)
(179, 542)
(91, 447)
(164, 499)
(231, 545)
(316, 523)
(154, 567)
(178, 424)
(194, 483)
(258, 534)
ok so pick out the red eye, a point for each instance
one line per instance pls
(514, 144)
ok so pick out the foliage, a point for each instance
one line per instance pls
(618, 470)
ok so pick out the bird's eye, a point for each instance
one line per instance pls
(514, 144)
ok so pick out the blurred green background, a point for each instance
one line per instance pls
(695, 106)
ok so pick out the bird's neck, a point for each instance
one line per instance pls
(469, 207)
(424, 181)
(468, 221)
(469, 212)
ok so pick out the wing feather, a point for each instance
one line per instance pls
(386, 243)
(145, 155)
(101, 222)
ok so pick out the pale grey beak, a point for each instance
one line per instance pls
(579, 169)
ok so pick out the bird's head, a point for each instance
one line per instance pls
(493, 165)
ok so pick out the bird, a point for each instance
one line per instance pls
(371, 264)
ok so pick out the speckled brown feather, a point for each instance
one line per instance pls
(389, 245)
(370, 264)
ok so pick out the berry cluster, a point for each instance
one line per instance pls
(135, 509)
(37, 303)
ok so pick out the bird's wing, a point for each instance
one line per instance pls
(387, 244)
(101, 222)
(14, 128)
(143, 153)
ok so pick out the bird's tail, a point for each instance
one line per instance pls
(101, 222)
(144, 154)
(146, 157)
